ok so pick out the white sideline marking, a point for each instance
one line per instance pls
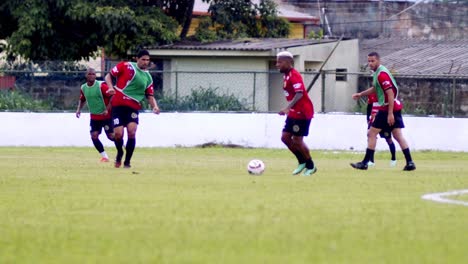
(440, 197)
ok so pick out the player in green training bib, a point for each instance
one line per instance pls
(388, 117)
(133, 84)
(97, 96)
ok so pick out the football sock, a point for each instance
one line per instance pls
(98, 145)
(118, 146)
(310, 164)
(369, 155)
(131, 142)
(391, 146)
(299, 157)
(104, 155)
(407, 155)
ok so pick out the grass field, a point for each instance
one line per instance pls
(59, 205)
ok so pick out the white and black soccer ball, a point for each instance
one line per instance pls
(256, 167)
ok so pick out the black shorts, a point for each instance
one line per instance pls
(383, 133)
(123, 115)
(297, 127)
(381, 121)
(98, 125)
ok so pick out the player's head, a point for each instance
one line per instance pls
(90, 75)
(373, 60)
(143, 59)
(284, 61)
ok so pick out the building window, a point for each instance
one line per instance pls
(341, 75)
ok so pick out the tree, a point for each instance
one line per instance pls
(181, 11)
(243, 18)
(74, 29)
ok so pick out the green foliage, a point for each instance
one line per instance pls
(202, 99)
(74, 29)
(316, 35)
(233, 19)
(204, 33)
(17, 101)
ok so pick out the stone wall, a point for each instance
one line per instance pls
(430, 96)
(371, 19)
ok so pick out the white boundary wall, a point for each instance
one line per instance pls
(328, 131)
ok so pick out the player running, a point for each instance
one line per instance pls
(133, 84)
(372, 109)
(299, 111)
(388, 118)
(97, 95)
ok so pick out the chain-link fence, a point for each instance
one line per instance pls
(441, 95)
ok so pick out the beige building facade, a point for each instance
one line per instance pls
(247, 70)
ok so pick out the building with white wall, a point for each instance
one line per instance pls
(246, 68)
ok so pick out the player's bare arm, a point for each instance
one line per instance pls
(391, 99)
(296, 98)
(364, 93)
(153, 104)
(109, 83)
(78, 110)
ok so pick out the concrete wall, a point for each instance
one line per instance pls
(328, 132)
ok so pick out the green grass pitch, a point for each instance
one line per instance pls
(192, 205)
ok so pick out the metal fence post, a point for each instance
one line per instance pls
(254, 90)
(323, 91)
(176, 85)
(454, 89)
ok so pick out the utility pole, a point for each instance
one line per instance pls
(381, 17)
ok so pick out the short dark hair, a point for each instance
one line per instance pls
(142, 53)
(374, 54)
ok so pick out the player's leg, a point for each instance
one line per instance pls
(304, 150)
(109, 129)
(371, 144)
(392, 149)
(131, 142)
(286, 138)
(96, 127)
(398, 135)
(118, 122)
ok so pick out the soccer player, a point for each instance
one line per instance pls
(97, 95)
(133, 84)
(299, 111)
(372, 109)
(388, 118)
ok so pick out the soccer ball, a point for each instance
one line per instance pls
(256, 167)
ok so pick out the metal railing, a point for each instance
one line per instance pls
(260, 91)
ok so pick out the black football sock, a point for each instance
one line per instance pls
(369, 155)
(131, 142)
(391, 146)
(118, 145)
(310, 164)
(407, 155)
(98, 145)
(299, 157)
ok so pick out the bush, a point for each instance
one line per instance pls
(12, 100)
(202, 99)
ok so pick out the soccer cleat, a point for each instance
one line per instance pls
(359, 165)
(393, 163)
(309, 172)
(299, 169)
(117, 164)
(410, 166)
(104, 160)
(370, 164)
(127, 165)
